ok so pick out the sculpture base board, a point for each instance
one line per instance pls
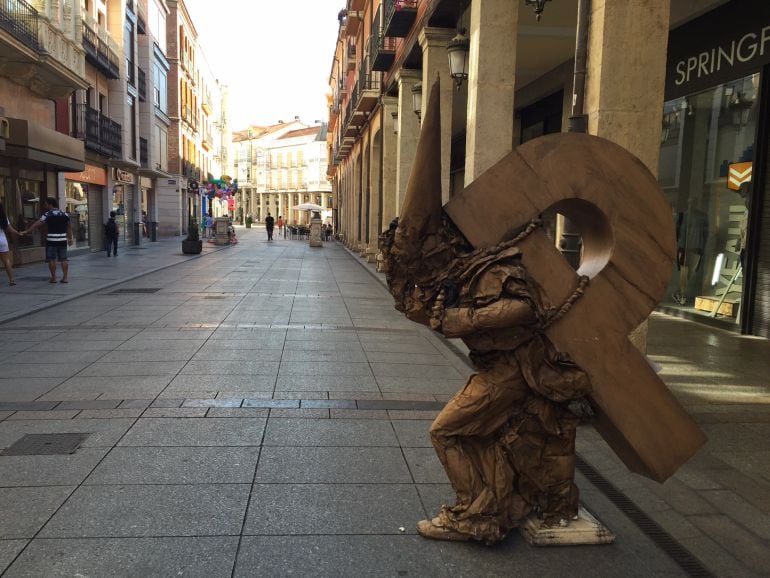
(585, 530)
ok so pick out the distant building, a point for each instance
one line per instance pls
(279, 167)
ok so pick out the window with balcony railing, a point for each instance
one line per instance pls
(20, 20)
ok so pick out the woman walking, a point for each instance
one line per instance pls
(5, 254)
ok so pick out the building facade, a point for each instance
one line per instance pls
(279, 167)
(689, 100)
(41, 47)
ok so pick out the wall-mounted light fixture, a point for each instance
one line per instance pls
(394, 117)
(417, 99)
(458, 50)
(538, 5)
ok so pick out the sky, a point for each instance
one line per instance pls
(275, 55)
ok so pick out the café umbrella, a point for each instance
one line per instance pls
(308, 207)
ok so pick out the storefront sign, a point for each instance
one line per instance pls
(737, 174)
(729, 42)
(91, 174)
(121, 176)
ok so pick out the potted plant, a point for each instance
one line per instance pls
(192, 245)
(248, 221)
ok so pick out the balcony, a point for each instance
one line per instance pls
(38, 54)
(399, 17)
(382, 52)
(100, 133)
(100, 49)
(144, 157)
(207, 142)
(367, 89)
(20, 20)
(142, 85)
(190, 171)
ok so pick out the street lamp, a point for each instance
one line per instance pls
(457, 50)
(417, 99)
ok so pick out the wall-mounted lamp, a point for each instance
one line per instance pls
(394, 116)
(458, 50)
(740, 107)
(417, 99)
(538, 5)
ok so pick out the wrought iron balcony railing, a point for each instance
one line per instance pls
(100, 133)
(399, 17)
(99, 52)
(20, 20)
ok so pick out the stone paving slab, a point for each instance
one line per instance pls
(150, 510)
(9, 549)
(302, 509)
(49, 470)
(26, 510)
(195, 432)
(176, 465)
(350, 433)
(201, 557)
(333, 465)
(338, 556)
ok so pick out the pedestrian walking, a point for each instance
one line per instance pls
(269, 224)
(111, 234)
(5, 251)
(280, 224)
(56, 240)
(209, 226)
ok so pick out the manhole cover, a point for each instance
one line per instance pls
(136, 290)
(46, 444)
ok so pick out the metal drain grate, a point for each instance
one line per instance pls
(678, 553)
(46, 444)
(136, 290)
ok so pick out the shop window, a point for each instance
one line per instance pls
(706, 159)
(77, 208)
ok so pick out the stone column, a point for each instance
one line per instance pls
(363, 209)
(625, 82)
(408, 132)
(262, 207)
(491, 83)
(435, 63)
(375, 188)
(389, 161)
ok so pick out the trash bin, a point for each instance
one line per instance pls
(153, 231)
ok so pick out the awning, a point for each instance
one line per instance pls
(43, 148)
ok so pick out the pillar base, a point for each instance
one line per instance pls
(584, 530)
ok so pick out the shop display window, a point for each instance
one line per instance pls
(706, 160)
(77, 209)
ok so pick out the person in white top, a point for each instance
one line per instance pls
(5, 255)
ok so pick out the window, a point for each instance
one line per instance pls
(706, 158)
(157, 23)
(160, 88)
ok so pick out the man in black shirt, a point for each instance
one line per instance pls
(269, 224)
(58, 237)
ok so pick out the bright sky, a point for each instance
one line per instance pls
(275, 55)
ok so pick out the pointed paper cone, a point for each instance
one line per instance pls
(421, 212)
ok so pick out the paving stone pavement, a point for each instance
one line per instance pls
(262, 410)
